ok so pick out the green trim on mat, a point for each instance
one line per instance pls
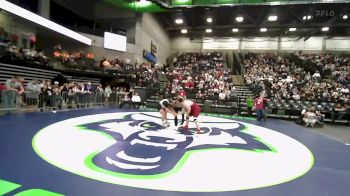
(6, 187)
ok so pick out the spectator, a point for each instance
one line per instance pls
(125, 100)
(108, 92)
(136, 100)
(222, 96)
(310, 117)
(99, 94)
(20, 96)
(56, 96)
(2, 87)
(249, 102)
(33, 90)
(12, 88)
(88, 96)
(319, 116)
(259, 105)
(338, 112)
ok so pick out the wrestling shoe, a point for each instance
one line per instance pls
(166, 124)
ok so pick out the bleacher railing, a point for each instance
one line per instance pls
(39, 101)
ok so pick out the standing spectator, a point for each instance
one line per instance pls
(88, 93)
(12, 88)
(2, 87)
(259, 105)
(20, 96)
(108, 92)
(98, 95)
(73, 94)
(56, 96)
(249, 102)
(64, 92)
(82, 95)
(45, 97)
(33, 90)
(233, 92)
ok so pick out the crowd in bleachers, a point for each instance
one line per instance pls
(75, 59)
(143, 74)
(202, 76)
(27, 55)
(316, 80)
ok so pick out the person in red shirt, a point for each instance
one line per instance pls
(260, 104)
(182, 93)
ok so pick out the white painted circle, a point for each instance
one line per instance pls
(65, 146)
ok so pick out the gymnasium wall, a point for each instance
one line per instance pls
(285, 44)
(148, 30)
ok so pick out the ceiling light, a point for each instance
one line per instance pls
(235, 30)
(325, 28)
(309, 17)
(345, 17)
(272, 18)
(263, 29)
(208, 30)
(292, 29)
(144, 3)
(184, 31)
(209, 20)
(14, 9)
(239, 19)
(179, 21)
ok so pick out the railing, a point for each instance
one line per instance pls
(46, 101)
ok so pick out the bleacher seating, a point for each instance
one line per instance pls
(28, 73)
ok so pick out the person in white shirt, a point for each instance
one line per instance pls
(33, 90)
(310, 117)
(222, 96)
(136, 100)
(316, 75)
(108, 92)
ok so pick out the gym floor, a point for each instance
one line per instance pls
(37, 156)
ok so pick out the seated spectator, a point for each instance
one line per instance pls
(316, 76)
(310, 117)
(222, 96)
(181, 92)
(125, 100)
(136, 100)
(338, 112)
(199, 95)
(320, 117)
